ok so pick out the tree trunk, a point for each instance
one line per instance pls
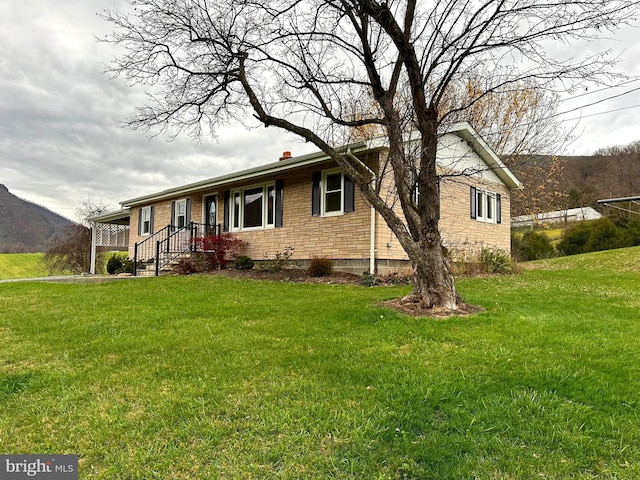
(433, 284)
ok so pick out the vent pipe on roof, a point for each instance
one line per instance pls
(285, 156)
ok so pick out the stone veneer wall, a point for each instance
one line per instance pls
(346, 238)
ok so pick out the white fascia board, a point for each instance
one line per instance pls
(465, 131)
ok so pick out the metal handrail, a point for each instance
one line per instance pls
(169, 244)
(145, 252)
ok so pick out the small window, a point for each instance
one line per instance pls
(487, 206)
(145, 221)
(333, 188)
(180, 213)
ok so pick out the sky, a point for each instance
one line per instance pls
(62, 140)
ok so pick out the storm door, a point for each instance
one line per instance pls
(211, 213)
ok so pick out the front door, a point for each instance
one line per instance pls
(211, 214)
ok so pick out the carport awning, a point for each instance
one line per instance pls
(619, 204)
(117, 217)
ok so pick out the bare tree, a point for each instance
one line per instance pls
(71, 250)
(299, 65)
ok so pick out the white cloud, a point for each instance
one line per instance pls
(61, 140)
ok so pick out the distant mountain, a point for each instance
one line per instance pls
(26, 227)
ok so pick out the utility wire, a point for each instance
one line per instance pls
(599, 101)
(599, 90)
(600, 113)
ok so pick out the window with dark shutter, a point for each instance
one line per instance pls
(279, 205)
(473, 198)
(349, 195)
(227, 211)
(316, 178)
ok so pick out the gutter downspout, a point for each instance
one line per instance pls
(372, 236)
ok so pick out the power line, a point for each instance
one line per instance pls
(600, 113)
(599, 101)
(611, 87)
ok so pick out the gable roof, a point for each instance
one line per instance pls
(464, 130)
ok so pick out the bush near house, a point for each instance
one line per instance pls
(243, 262)
(218, 249)
(320, 267)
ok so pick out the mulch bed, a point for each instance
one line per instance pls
(340, 278)
(291, 275)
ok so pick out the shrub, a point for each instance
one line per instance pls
(496, 261)
(126, 266)
(593, 236)
(114, 264)
(532, 246)
(369, 280)
(279, 261)
(243, 262)
(187, 266)
(320, 267)
(575, 239)
(219, 249)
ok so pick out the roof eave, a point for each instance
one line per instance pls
(112, 216)
(255, 172)
(471, 136)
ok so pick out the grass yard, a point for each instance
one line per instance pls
(21, 265)
(213, 377)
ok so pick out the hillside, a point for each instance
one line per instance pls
(24, 226)
(578, 181)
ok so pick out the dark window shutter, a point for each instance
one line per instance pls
(279, 204)
(227, 212)
(498, 208)
(151, 219)
(473, 198)
(140, 222)
(173, 213)
(316, 178)
(187, 220)
(349, 195)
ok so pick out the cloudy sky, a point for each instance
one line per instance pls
(61, 140)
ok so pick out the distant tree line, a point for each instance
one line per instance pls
(563, 182)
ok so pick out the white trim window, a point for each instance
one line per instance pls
(180, 213)
(485, 206)
(332, 202)
(332, 193)
(253, 208)
(146, 220)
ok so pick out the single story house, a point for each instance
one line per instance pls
(306, 203)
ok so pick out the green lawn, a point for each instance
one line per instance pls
(210, 377)
(21, 265)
